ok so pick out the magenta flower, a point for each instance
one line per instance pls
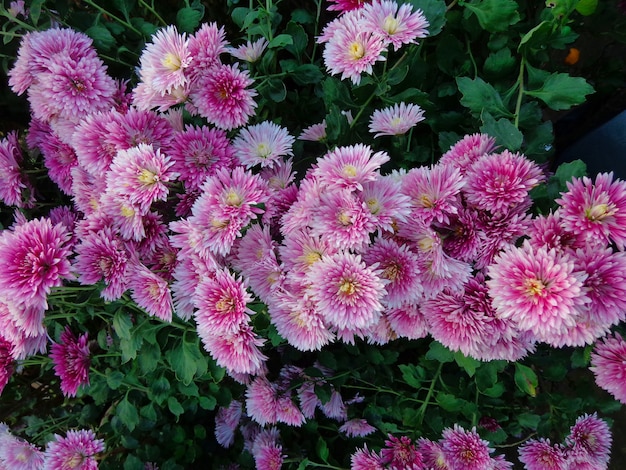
(238, 351)
(541, 455)
(34, 258)
(267, 452)
(590, 440)
(251, 51)
(222, 96)
(465, 449)
(407, 321)
(538, 288)
(595, 210)
(356, 427)
(262, 144)
(93, 151)
(366, 459)
(396, 119)
(351, 50)
(151, 292)
(262, 401)
(71, 359)
(343, 6)
(77, 450)
(401, 452)
(608, 364)
(139, 127)
(432, 454)
(7, 363)
(466, 151)
(18, 454)
(315, 132)
(397, 24)
(347, 292)
(205, 46)
(59, 159)
(15, 189)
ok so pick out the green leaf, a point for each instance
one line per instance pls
(303, 464)
(239, 15)
(494, 15)
(322, 449)
(480, 96)
(434, 11)
(587, 7)
(581, 357)
(526, 379)
(188, 18)
(528, 420)
(127, 413)
(129, 347)
(306, 74)
(504, 131)
(561, 91)
(281, 40)
(412, 375)
(500, 63)
(125, 6)
(302, 16)
(114, 379)
(299, 37)
(133, 462)
(102, 37)
(148, 357)
(159, 390)
(147, 29)
(184, 359)
(449, 402)
(276, 90)
(35, 10)
(175, 407)
(122, 324)
(566, 172)
(397, 75)
(469, 364)
(207, 403)
(537, 37)
(438, 352)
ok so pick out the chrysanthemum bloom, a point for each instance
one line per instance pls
(595, 210)
(315, 132)
(465, 449)
(72, 89)
(352, 50)
(251, 51)
(22, 343)
(590, 440)
(34, 258)
(71, 359)
(500, 182)
(151, 292)
(467, 150)
(335, 408)
(547, 230)
(608, 364)
(396, 119)
(386, 202)
(77, 450)
(538, 288)
(262, 144)
(198, 152)
(365, 459)
(237, 351)
(100, 256)
(256, 245)
(59, 159)
(15, 189)
(356, 427)
(139, 127)
(164, 61)
(6, 363)
(262, 401)
(226, 421)
(222, 96)
(300, 250)
(205, 46)
(398, 25)
(343, 6)
(347, 292)
(93, 150)
(343, 220)
(141, 173)
(349, 167)
(266, 450)
(18, 454)
(434, 192)
(18, 8)
(407, 321)
(126, 216)
(401, 452)
(541, 455)
(222, 303)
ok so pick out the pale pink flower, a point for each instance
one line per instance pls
(397, 24)
(407, 321)
(467, 150)
(151, 292)
(608, 364)
(547, 230)
(18, 454)
(396, 119)
(589, 440)
(266, 450)
(538, 288)
(251, 51)
(136, 127)
(315, 132)
(94, 151)
(226, 421)
(347, 292)
(15, 188)
(59, 159)
(262, 144)
(76, 450)
(595, 210)
(237, 351)
(71, 359)
(205, 46)
(356, 427)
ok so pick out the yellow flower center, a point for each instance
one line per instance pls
(426, 201)
(347, 287)
(390, 25)
(311, 257)
(225, 305)
(263, 150)
(344, 219)
(147, 177)
(219, 224)
(599, 212)
(356, 50)
(535, 287)
(391, 272)
(171, 62)
(373, 205)
(349, 171)
(127, 211)
(232, 198)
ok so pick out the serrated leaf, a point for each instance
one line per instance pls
(526, 379)
(102, 37)
(494, 15)
(175, 407)
(127, 413)
(125, 6)
(188, 18)
(468, 364)
(503, 130)
(561, 91)
(566, 172)
(500, 63)
(306, 74)
(114, 379)
(184, 358)
(133, 462)
(148, 357)
(480, 96)
(281, 40)
(122, 324)
(303, 464)
(438, 352)
(412, 375)
(322, 449)
(34, 10)
(536, 37)
(449, 402)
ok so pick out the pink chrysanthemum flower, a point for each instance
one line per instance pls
(467, 150)
(13, 323)
(222, 96)
(151, 292)
(465, 449)
(608, 364)
(205, 46)
(222, 303)
(397, 24)
(59, 159)
(71, 359)
(164, 61)
(6, 362)
(34, 258)
(590, 440)
(385, 201)
(464, 238)
(356, 427)
(93, 150)
(262, 401)
(347, 292)
(343, 6)
(407, 321)
(541, 455)
(139, 127)
(401, 453)
(198, 152)
(300, 250)
(315, 132)
(538, 288)
(352, 50)
(500, 182)
(101, 255)
(141, 174)
(77, 450)
(262, 144)
(366, 459)
(349, 167)
(251, 51)
(18, 454)
(267, 452)
(343, 220)
(226, 421)
(237, 351)
(396, 119)
(595, 210)
(434, 192)
(15, 189)
(547, 230)
(399, 267)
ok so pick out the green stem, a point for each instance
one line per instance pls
(452, 5)
(151, 9)
(128, 385)
(520, 92)
(18, 21)
(116, 18)
(318, 13)
(422, 411)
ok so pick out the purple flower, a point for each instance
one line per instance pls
(396, 119)
(71, 359)
(608, 364)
